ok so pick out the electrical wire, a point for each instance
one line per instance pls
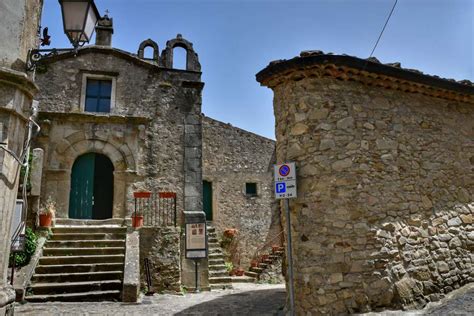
(383, 29)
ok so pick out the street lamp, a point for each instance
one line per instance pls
(79, 20)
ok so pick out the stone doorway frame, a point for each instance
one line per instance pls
(58, 173)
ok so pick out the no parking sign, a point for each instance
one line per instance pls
(285, 180)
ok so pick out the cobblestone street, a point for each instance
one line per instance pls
(459, 302)
(244, 299)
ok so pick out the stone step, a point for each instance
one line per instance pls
(265, 262)
(77, 277)
(218, 273)
(74, 287)
(263, 265)
(85, 243)
(71, 268)
(90, 222)
(82, 251)
(221, 286)
(58, 260)
(216, 267)
(215, 251)
(94, 296)
(213, 245)
(243, 279)
(274, 257)
(216, 256)
(216, 261)
(89, 229)
(212, 240)
(256, 269)
(87, 236)
(252, 274)
(220, 279)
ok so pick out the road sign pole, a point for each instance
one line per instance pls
(196, 275)
(290, 257)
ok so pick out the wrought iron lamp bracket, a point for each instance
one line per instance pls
(36, 55)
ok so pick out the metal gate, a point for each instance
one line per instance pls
(158, 208)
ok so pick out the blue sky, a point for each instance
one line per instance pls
(237, 38)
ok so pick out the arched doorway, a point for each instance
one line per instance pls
(92, 189)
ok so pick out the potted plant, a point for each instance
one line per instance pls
(239, 271)
(230, 232)
(46, 212)
(254, 263)
(137, 219)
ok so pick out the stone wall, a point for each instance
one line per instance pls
(385, 200)
(19, 31)
(232, 157)
(144, 135)
(162, 247)
(19, 22)
(152, 134)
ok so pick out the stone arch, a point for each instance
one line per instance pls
(65, 153)
(77, 144)
(192, 60)
(149, 43)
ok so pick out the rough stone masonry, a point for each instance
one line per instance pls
(385, 160)
(19, 21)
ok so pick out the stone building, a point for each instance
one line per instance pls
(237, 187)
(114, 123)
(385, 158)
(19, 20)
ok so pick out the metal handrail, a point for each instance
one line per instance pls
(266, 245)
(18, 231)
(15, 237)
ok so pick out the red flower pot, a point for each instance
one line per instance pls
(239, 272)
(137, 220)
(275, 248)
(45, 219)
(230, 232)
(142, 195)
(264, 257)
(254, 263)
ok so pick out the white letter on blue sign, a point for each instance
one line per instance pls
(280, 187)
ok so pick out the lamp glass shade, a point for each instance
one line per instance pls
(79, 20)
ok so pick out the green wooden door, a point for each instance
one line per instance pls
(207, 199)
(82, 187)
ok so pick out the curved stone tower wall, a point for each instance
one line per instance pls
(385, 200)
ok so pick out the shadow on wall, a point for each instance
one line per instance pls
(262, 302)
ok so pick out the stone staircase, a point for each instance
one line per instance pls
(264, 261)
(218, 276)
(80, 263)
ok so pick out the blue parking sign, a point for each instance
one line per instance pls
(280, 187)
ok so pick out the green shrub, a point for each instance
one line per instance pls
(229, 266)
(23, 258)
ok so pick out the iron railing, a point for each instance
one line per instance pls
(157, 208)
(272, 241)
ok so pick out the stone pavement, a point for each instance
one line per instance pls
(458, 302)
(245, 299)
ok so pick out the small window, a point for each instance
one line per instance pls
(98, 94)
(250, 188)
